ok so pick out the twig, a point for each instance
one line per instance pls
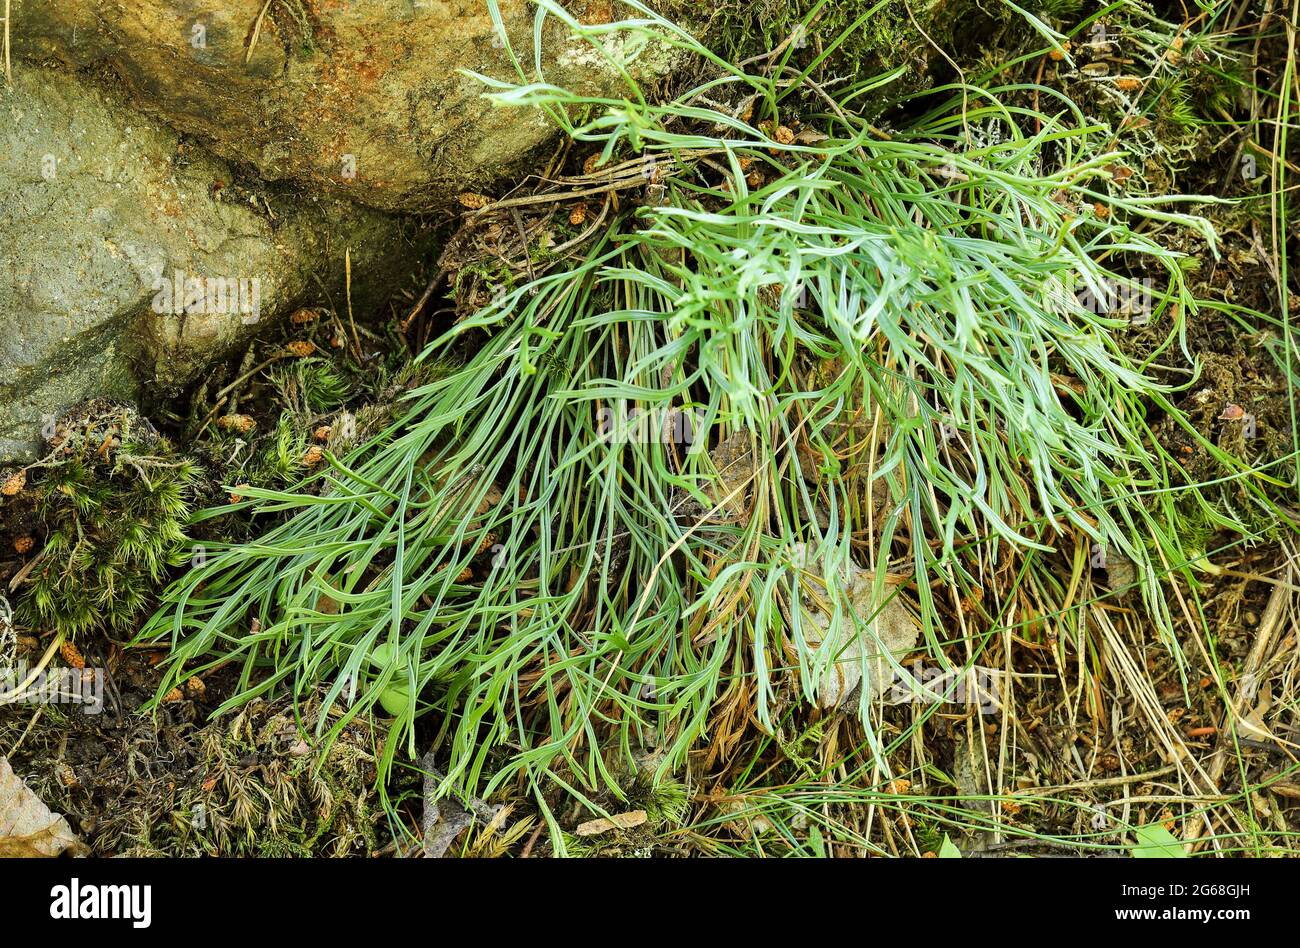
(224, 395)
(424, 298)
(40, 709)
(9, 72)
(347, 280)
(1247, 686)
(257, 31)
(20, 692)
(1104, 781)
(1248, 681)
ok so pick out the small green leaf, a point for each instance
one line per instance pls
(1156, 842)
(816, 843)
(948, 850)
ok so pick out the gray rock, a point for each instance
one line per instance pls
(102, 207)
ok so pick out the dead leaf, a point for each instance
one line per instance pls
(621, 821)
(27, 827)
(325, 604)
(887, 630)
(445, 819)
(810, 136)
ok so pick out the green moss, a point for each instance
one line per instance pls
(113, 497)
(280, 459)
(862, 41)
(313, 385)
(301, 801)
(666, 803)
(877, 44)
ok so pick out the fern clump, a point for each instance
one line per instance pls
(114, 499)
